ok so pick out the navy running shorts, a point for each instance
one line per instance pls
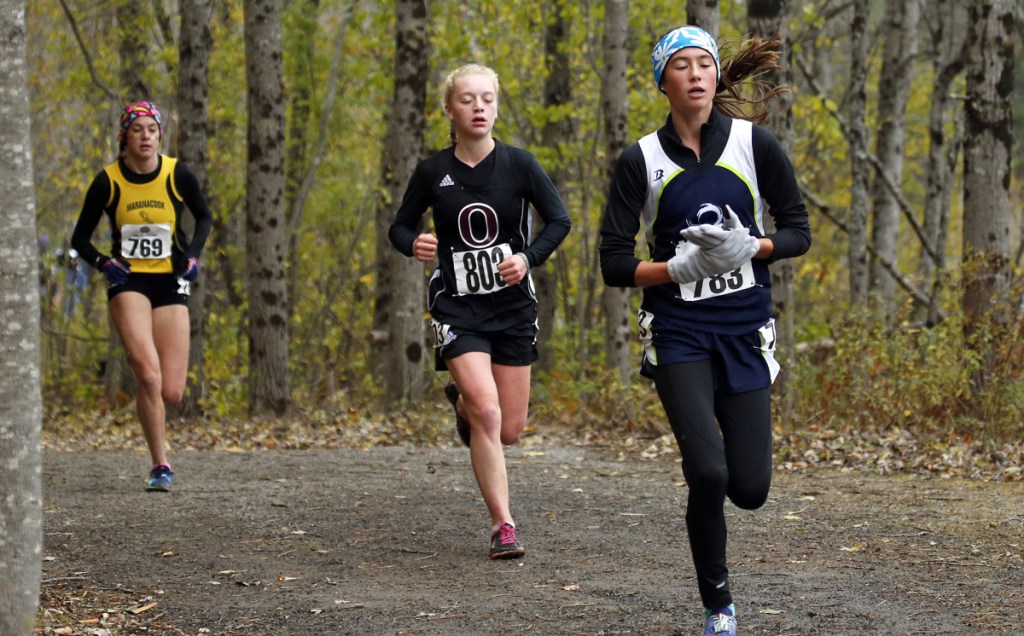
(740, 363)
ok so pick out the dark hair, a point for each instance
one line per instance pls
(755, 57)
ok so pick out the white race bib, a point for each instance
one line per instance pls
(644, 320)
(442, 333)
(767, 337)
(718, 285)
(476, 271)
(149, 241)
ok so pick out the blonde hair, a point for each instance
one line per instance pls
(459, 73)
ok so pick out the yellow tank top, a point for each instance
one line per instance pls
(145, 217)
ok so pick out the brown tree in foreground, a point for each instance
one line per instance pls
(194, 46)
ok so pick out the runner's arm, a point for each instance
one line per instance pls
(546, 200)
(620, 266)
(192, 194)
(415, 201)
(96, 198)
(777, 182)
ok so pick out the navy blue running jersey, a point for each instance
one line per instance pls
(664, 185)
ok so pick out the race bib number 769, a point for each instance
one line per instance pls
(149, 241)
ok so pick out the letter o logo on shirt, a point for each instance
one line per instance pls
(478, 225)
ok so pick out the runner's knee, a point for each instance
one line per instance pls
(707, 477)
(148, 379)
(748, 496)
(173, 395)
(487, 416)
(510, 435)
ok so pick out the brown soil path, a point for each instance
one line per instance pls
(393, 541)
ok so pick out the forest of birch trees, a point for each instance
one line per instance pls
(305, 118)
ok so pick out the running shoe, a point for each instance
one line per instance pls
(160, 478)
(721, 622)
(451, 391)
(505, 543)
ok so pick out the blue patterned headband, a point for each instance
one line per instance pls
(682, 38)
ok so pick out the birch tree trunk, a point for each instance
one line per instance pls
(132, 50)
(133, 63)
(948, 54)
(767, 19)
(618, 328)
(555, 133)
(400, 295)
(194, 47)
(266, 234)
(21, 513)
(987, 205)
(859, 166)
(702, 13)
(899, 37)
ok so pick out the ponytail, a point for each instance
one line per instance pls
(756, 57)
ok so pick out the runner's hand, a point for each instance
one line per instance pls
(514, 269)
(690, 265)
(705, 235)
(191, 269)
(115, 271)
(736, 248)
(424, 247)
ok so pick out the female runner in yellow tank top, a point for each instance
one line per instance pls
(151, 265)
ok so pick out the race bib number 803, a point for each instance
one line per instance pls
(476, 271)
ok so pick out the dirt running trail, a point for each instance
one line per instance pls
(394, 541)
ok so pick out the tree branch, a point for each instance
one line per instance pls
(85, 53)
(900, 279)
(908, 213)
(295, 218)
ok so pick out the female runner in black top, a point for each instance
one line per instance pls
(701, 185)
(482, 302)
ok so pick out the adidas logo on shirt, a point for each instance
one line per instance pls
(447, 181)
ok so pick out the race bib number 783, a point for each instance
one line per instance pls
(720, 284)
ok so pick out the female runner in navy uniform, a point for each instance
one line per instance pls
(701, 184)
(482, 302)
(150, 266)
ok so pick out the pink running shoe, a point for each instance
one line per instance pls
(505, 543)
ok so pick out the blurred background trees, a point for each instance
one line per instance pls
(906, 312)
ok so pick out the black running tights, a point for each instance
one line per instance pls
(726, 445)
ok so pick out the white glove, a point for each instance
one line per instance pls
(722, 249)
(737, 248)
(689, 265)
(705, 235)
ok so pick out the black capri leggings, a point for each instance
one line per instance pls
(726, 445)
